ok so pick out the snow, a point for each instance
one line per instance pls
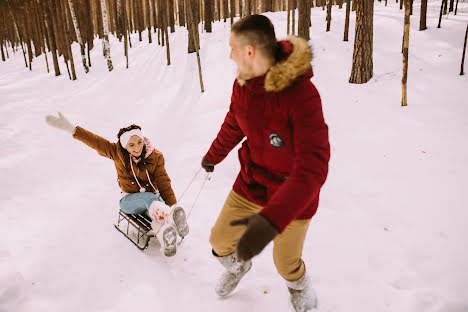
(390, 233)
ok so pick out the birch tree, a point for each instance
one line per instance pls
(78, 35)
(106, 36)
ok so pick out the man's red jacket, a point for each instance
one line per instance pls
(284, 160)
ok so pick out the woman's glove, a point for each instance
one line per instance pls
(60, 123)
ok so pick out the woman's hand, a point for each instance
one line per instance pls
(61, 123)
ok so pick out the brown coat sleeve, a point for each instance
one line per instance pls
(163, 182)
(101, 145)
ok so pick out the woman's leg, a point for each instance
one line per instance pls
(136, 203)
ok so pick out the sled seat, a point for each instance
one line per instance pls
(139, 224)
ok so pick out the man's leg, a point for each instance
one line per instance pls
(224, 239)
(287, 255)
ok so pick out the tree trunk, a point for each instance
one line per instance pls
(69, 40)
(329, 9)
(148, 20)
(293, 12)
(1, 47)
(232, 10)
(363, 43)
(464, 51)
(106, 36)
(303, 23)
(78, 35)
(171, 20)
(193, 23)
(121, 17)
(248, 7)
(18, 33)
(166, 20)
(422, 21)
(225, 10)
(51, 34)
(456, 8)
(404, 80)
(346, 29)
(209, 8)
(288, 27)
(194, 30)
(182, 21)
(444, 2)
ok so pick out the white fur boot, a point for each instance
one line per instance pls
(163, 227)
(175, 215)
(235, 271)
(303, 297)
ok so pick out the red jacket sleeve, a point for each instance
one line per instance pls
(228, 136)
(310, 167)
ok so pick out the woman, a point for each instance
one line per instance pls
(145, 185)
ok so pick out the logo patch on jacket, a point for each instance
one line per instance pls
(276, 140)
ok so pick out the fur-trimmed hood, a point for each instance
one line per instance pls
(298, 55)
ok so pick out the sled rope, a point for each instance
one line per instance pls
(193, 205)
(199, 192)
(183, 193)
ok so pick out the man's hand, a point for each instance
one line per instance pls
(260, 231)
(206, 165)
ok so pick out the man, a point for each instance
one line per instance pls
(284, 160)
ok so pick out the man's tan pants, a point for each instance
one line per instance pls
(287, 250)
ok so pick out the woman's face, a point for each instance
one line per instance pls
(135, 146)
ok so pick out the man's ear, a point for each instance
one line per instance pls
(251, 50)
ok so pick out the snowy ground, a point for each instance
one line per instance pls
(391, 231)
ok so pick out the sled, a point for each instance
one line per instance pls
(139, 223)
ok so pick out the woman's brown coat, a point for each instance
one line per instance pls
(154, 164)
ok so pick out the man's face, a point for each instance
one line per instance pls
(242, 55)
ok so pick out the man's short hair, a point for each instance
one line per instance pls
(258, 31)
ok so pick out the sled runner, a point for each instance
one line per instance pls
(139, 223)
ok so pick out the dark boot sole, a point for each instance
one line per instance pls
(169, 238)
(180, 220)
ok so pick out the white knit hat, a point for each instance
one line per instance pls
(125, 137)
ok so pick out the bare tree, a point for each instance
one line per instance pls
(346, 29)
(194, 30)
(304, 20)
(443, 4)
(404, 100)
(422, 20)
(464, 51)
(209, 8)
(363, 43)
(106, 36)
(329, 10)
(78, 34)
(51, 34)
(17, 31)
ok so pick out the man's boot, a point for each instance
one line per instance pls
(235, 270)
(302, 295)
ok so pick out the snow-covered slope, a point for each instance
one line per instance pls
(390, 233)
